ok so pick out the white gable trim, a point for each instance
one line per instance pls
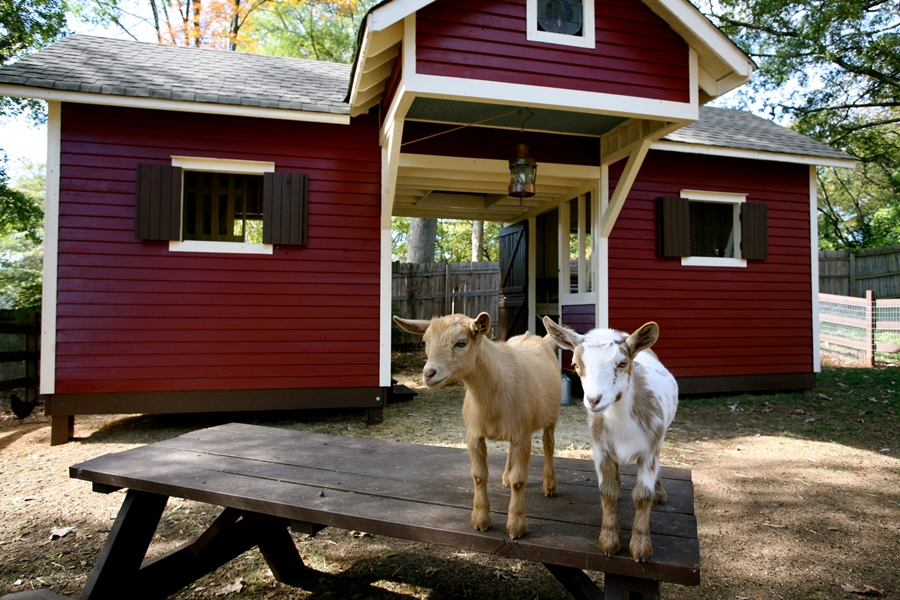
(234, 110)
(802, 159)
(383, 17)
(51, 250)
(697, 30)
(453, 88)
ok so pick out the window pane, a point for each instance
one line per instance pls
(560, 16)
(219, 207)
(712, 229)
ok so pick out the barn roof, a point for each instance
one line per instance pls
(100, 70)
(105, 67)
(719, 129)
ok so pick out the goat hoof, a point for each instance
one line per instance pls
(481, 523)
(516, 531)
(641, 548)
(550, 488)
(609, 544)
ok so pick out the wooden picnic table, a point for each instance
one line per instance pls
(269, 479)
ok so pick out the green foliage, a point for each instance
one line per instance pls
(310, 29)
(21, 228)
(19, 212)
(454, 240)
(834, 66)
(850, 406)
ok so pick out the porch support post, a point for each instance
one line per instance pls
(601, 250)
(390, 160)
(626, 180)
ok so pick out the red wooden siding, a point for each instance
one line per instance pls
(581, 318)
(134, 317)
(484, 142)
(636, 52)
(718, 321)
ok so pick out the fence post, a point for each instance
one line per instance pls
(31, 363)
(447, 304)
(870, 328)
(851, 273)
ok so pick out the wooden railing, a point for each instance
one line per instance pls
(865, 325)
(26, 352)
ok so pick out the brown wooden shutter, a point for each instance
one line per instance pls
(673, 227)
(754, 239)
(284, 208)
(158, 202)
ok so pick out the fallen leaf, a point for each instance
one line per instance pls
(232, 588)
(60, 532)
(867, 590)
(502, 574)
(388, 554)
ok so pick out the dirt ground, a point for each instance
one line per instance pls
(780, 514)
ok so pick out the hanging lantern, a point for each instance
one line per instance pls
(522, 172)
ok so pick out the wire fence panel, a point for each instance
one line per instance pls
(862, 328)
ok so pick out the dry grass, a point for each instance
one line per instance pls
(796, 497)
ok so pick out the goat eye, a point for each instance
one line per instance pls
(622, 364)
(462, 343)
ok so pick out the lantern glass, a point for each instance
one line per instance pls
(522, 172)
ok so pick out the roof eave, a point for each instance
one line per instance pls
(240, 110)
(723, 65)
(746, 153)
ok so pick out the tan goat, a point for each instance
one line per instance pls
(512, 390)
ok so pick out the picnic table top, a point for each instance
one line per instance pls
(409, 491)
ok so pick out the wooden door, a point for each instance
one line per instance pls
(513, 301)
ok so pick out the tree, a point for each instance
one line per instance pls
(453, 240)
(420, 240)
(21, 227)
(310, 29)
(836, 70)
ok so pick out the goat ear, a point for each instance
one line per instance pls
(481, 325)
(643, 338)
(413, 326)
(564, 337)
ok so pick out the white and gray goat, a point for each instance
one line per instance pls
(631, 399)
(513, 389)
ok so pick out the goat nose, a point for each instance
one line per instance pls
(594, 400)
(428, 373)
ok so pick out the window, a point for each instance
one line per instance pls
(223, 207)
(213, 205)
(711, 229)
(565, 22)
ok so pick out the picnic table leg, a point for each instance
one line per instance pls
(576, 582)
(125, 548)
(618, 587)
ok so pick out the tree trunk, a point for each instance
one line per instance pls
(477, 241)
(420, 240)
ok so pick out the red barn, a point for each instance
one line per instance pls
(218, 224)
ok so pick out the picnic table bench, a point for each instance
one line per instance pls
(269, 479)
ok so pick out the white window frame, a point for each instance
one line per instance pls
(726, 198)
(585, 40)
(220, 165)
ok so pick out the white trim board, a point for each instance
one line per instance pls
(22, 91)
(454, 88)
(51, 250)
(802, 159)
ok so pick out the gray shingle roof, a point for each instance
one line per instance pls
(89, 64)
(83, 63)
(731, 128)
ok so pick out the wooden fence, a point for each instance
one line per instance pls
(845, 273)
(860, 327)
(422, 291)
(19, 355)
